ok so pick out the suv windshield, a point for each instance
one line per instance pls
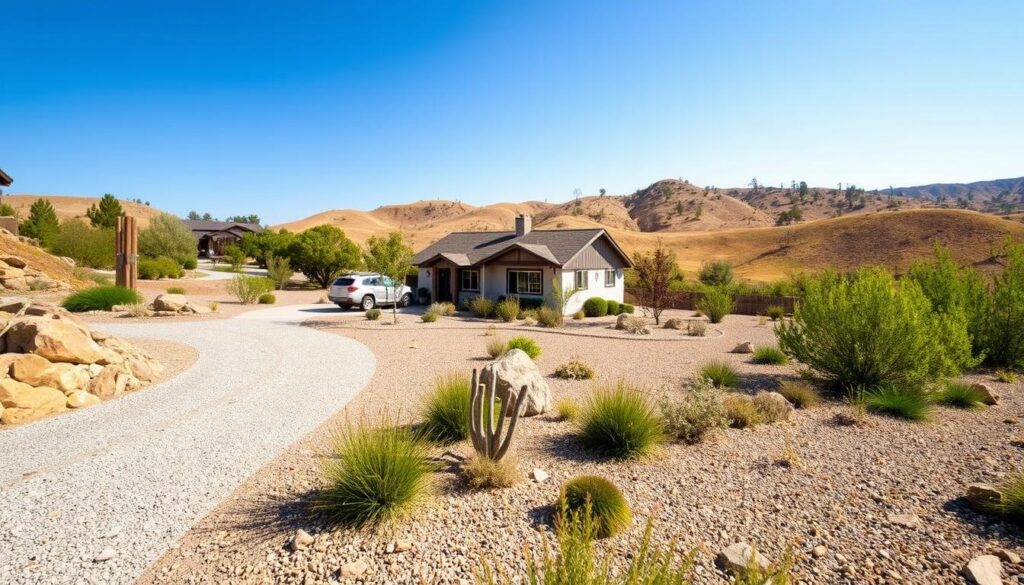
(344, 281)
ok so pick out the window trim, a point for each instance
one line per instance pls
(614, 275)
(586, 279)
(508, 277)
(462, 279)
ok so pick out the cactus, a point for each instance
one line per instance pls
(489, 440)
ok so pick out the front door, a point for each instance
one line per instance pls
(444, 285)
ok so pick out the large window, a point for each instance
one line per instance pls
(525, 282)
(470, 280)
(581, 279)
(609, 278)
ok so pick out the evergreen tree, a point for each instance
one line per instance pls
(42, 223)
(193, 215)
(105, 214)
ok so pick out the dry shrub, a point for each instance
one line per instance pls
(800, 394)
(483, 472)
(741, 411)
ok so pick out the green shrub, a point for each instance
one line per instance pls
(429, 316)
(1006, 376)
(626, 308)
(373, 314)
(767, 354)
(800, 394)
(595, 307)
(83, 273)
(169, 237)
(445, 409)
(613, 307)
(375, 475)
(100, 298)
(267, 299)
(607, 506)
(716, 304)
(87, 246)
(496, 348)
(776, 312)
(507, 309)
(574, 369)
(717, 273)
(960, 395)
(248, 289)
(699, 411)
(548, 317)
(867, 329)
(175, 290)
(157, 268)
(741, 412)
(567, 410)
(482, 307)
(899, 401)
(579, 315)
(526, 344)
(1003, 333)
(190, 264)
(234, 256)
(279, 270)
(619, 422)
(443, 309)
(720, 374)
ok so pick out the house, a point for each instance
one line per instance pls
(524, 263)
(8, 223)
(5, 179)
(212, 236)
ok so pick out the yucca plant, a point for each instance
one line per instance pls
(899, 401)
(720, 374)
(445, 409)
(619, 421)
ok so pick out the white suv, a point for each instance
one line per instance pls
(367, 291)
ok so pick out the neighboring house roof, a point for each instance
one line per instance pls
(202, 227)
(5, 179)
(555, 246)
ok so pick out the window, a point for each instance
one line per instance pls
(524, 282)
(470, 280)
(609, 278)
(581, 279)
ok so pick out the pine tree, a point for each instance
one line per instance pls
(42, 223)
(104, 215)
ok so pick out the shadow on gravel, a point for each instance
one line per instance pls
(543, 515)
(755, 382)
(568, 447)
(271, 516)
(984, 525)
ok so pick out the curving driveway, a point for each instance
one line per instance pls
(133, 474)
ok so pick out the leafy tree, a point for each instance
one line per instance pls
(602, 191)
(279, 271)
(42, 223)
(235, 257)
(803, 190)
(716, 273)
(104, 215)
(194, 215)
(261, 246)
(1003, 336)
(207, 216)
(322, 253)
(655, 272)
(87, 246)
(251, 218)
(168, 236)
(753, 184)
(391, 257)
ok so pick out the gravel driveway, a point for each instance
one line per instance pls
(125, 479)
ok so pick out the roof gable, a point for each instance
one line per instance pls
(555, 246)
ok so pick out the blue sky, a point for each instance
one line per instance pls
(289, 108)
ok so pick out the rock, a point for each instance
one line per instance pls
(37, 371)
(13, 261)
(199, 309)
(989, 397)
(56, 340)
(169, 302)
(743, 347)
(105, 555)
(23, 403)
(775, 404)
(737, 557)
(620, 321)
(15, 283)
(301, 540)
(819, 551)
(105, 384)
(10, 273)
(82, 399)
(539, 475)
(353, 569)
(143, 368)
(984, 570)
(905, 520)
(402, 545)
(513, 371)
(632, 324)
(980, 495)
(1007, 555)
(675, 323)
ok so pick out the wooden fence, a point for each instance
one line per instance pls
(744, 304)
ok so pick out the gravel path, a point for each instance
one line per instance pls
(127, 478)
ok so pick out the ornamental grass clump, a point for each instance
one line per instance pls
(445, 410)
(867, 330)
(429, 316)
(741, 411)
(496, 348)
(607, 506)
(548, 317)
(899, 402)
(1011, 503)
(373, 314)
(507, 309)
(766, 354)
(483, 472)
(574, 369)
(100, 298)
(619, 422)
(567, 410)
(775, 312)
(720, 374)
(525, 344)
(960, 395)
(716, 304)
(373, 476)
(175, 290)
(482, 307)
(800, 394)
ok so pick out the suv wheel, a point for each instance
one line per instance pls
(405, 301)
(368, 302)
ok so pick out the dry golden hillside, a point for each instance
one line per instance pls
(37, 258)
(674, 206)
(68, 206)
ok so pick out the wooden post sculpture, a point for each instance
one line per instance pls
(126, 236)
(487, 438)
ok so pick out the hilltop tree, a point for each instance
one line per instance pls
(104, 215)
(251, 218)
(390, 257)
(194, 215)
(42, 223)
(753, 184)
(803, 190)
(322, 253)
(655, 272)
(602, 191)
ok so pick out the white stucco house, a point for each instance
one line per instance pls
(524, 263)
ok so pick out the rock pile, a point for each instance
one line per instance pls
(50, 361)
(172, 304)
(15, 274)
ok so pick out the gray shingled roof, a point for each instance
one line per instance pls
(469, 248)
(202, 225)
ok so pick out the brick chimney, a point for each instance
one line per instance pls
(524, 223)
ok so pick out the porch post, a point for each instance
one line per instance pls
(483, 290)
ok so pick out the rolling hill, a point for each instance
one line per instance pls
(68, 206)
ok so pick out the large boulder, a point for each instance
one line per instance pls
(984, 570)
(37, 371)
(513, 371)
(13, 261)
(23, 403)
(108, 383)
(82, 399)
(170, 302)
(57, 340)
(737, 558)
(675, 323)
(743, 347)
(988, 396)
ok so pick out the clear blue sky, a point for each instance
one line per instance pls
(289, 108)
